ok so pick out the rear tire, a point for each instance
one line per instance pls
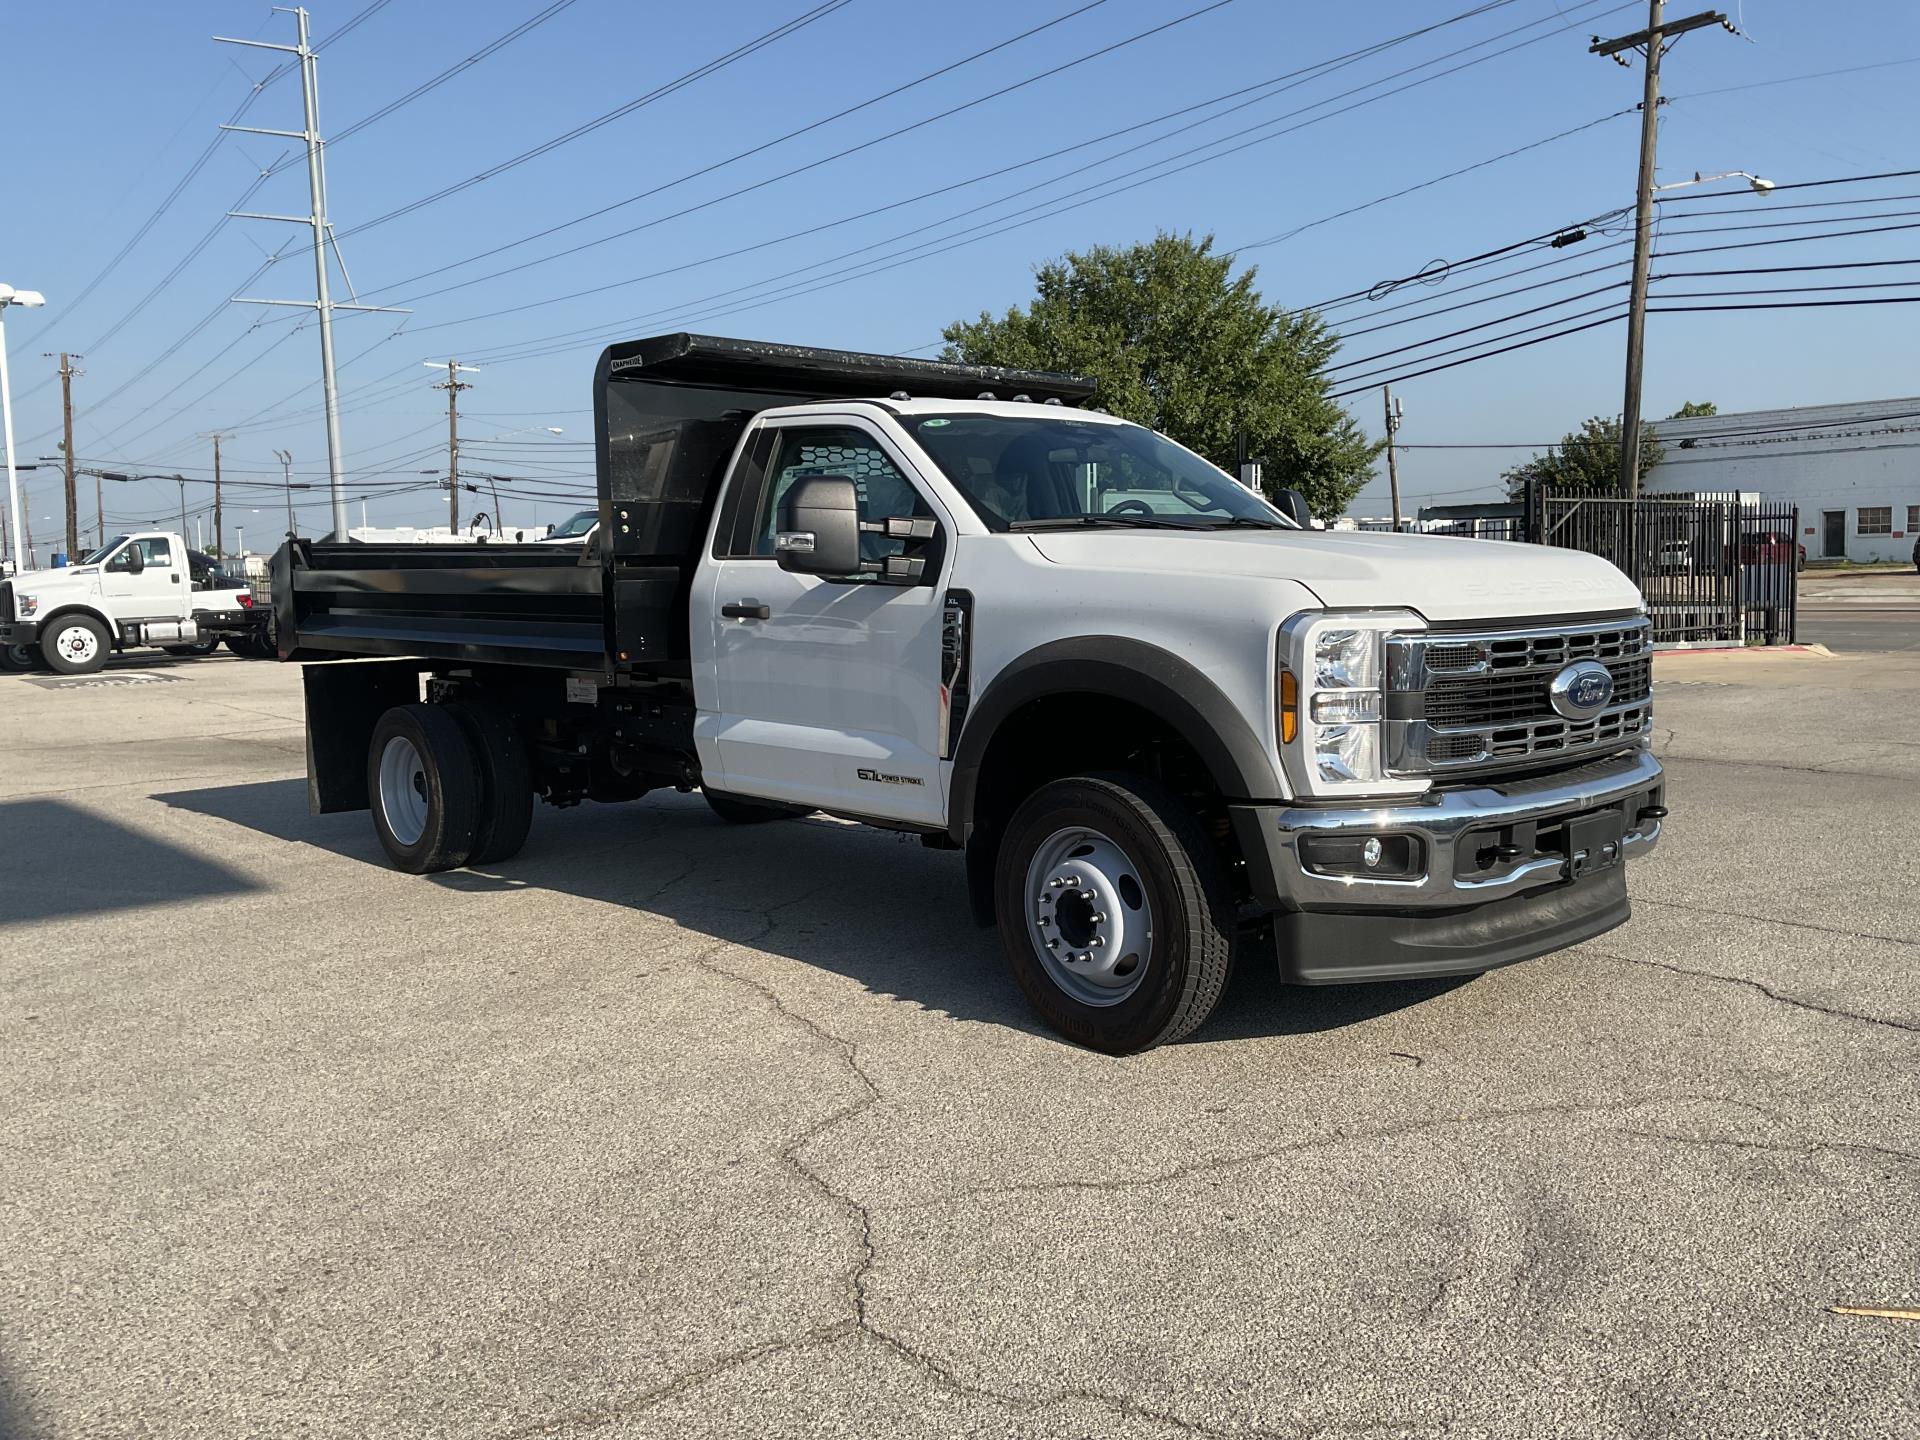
(736, 811)
(76, 645)
(423, 785)
(1117, 872)
(506, 781)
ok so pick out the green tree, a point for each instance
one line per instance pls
(1693, 408)
(1587, 460)
(1181, 345)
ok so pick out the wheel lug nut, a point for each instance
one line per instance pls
(1099, 917)
(1099, 942)
(1072, 882)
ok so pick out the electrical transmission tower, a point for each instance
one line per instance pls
(323, 301)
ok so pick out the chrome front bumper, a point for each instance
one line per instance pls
(1454, 829)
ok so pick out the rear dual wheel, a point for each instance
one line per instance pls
(449, 785)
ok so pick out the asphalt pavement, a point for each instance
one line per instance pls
(666, 1128)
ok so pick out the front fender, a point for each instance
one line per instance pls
(1154, 679)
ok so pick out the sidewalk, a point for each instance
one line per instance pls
(1879, 589)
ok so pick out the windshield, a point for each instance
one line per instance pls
(1021, 474)
(105, 550)
(576, 524)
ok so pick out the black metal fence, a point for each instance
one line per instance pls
(1713, 570)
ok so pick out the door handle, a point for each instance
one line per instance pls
(740, 611)
(175, 577)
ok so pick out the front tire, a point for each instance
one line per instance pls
(1114, 912)
(76, 645)
(423, 783)
(20, 657)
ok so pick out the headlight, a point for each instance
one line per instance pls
(1331, 703)
(29, 605)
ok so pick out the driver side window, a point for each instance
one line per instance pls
(809, 452)
(154, 550)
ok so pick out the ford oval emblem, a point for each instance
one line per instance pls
(1582, 690)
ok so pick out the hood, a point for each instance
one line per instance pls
(1440, 576)
(28, 579)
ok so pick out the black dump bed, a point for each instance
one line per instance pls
(668, 413)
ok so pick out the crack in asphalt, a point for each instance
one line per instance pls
(1806, 1151)
(1767, 990)
(1776, 920)
(859, 1320)
(1317, 1142)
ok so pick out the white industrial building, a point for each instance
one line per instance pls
(1853, 470)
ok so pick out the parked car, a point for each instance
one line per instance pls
(576, 529)
(1772, 547)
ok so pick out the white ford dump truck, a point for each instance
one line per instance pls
(135, 590)
(1167, 724)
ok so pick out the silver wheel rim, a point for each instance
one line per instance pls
(403, 790)
(77, 644)
(1088, 916)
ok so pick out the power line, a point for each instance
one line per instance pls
(1488, 355)
(1003, 224)
(740, 52)
(1314, 71)
(811, 165)
(195, 167)
(1425, 184)
(1790, 79)
(1787, 240)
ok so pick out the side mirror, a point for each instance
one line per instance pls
(549, 529)
(1293, 505)
(820, 527)
(136, 561)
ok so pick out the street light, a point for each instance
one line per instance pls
(31, 300)
(1637, 300)
(1755, 183)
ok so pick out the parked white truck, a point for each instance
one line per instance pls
(1166, 723)
(135, 590)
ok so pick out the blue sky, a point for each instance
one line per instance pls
(108, 105)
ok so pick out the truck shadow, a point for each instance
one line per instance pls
(878, 908)
(84, 864)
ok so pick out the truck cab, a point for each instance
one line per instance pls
(1171, 727)
(146, 588)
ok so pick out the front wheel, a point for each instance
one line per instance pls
(20, 657)
(76, 645)
(1114, 911)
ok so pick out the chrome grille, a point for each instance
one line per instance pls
(1484, 699)
(6, 602)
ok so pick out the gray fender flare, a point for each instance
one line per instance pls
(1156, 680)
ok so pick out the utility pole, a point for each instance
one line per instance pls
(218, 531)
(323, 301)
(453, 385)
(67, 372)
(1393, 411)
(1653, 42)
